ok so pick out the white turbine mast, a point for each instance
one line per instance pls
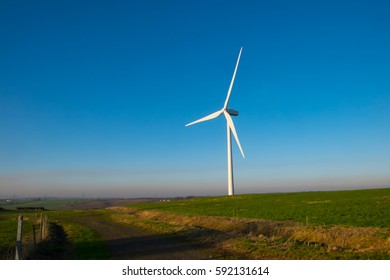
(230, 128)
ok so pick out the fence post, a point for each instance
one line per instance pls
(43, 227)
(18, 252)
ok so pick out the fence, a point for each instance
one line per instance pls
(26, 239)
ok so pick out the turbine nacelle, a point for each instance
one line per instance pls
(232, 112)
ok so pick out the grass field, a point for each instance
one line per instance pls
(363, 208)
(310, 225)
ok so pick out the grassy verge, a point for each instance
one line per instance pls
(86, 243)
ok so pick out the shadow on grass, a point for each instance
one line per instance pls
(53, 247)
(57, 246)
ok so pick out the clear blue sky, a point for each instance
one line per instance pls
(94, 96)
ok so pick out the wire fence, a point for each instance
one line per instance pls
(27, 238)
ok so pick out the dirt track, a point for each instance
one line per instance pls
(125, 242)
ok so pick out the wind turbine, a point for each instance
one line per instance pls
(230, 129)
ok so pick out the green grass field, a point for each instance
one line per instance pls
(320, 235)
(353, 208)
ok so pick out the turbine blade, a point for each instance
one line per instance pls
(206, 118)
(233, 129)
(232, 82)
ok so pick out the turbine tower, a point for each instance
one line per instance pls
(230, 129)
